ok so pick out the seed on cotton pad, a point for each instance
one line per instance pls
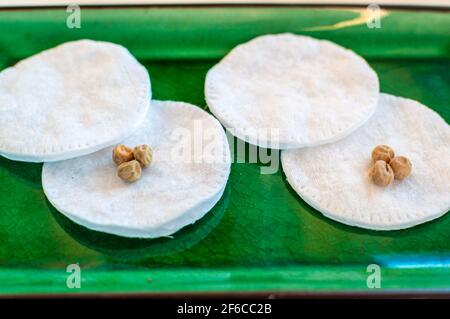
(122, 154)
(383, 153)
(129, 171)
(143, 154)
(401, 167)
(381, 173)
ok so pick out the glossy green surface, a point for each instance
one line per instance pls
(261, 236)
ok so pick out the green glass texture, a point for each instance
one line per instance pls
(261, 236)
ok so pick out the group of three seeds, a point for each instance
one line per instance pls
(131, 161)
(386, 166)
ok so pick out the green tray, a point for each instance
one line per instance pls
(261, 237)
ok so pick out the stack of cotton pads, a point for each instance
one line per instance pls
(68, 106)
(323, 103)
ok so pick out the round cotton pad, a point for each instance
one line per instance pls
(186, 179)
(71, 100)
(288, 91)
(334, 178)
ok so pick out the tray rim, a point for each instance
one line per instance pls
(342, 293)
(414, 7)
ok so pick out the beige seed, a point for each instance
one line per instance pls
(122, 154)
(143, 154)
(381, 173)
(129, 171)
(401, 167)
(383, 153)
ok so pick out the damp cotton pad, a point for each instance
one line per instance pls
(334, 178)
(289, 91)
(71, 100)
(185, 180)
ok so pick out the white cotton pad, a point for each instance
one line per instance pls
(289, 91)
(334, 178)
(186, 179)
(71, 100)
